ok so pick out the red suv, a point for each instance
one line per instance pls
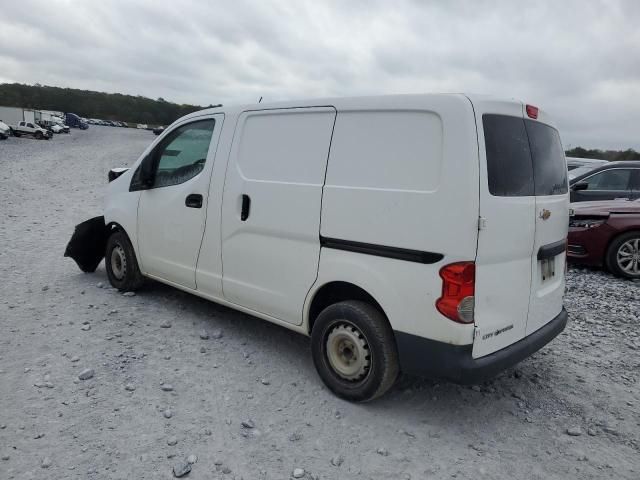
(607, 234)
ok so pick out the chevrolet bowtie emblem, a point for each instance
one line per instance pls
(544, 214)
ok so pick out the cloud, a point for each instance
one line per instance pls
(577, 60)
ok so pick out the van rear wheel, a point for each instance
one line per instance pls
(354, 350)
(121, 263)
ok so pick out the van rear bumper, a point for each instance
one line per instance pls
(425, 357)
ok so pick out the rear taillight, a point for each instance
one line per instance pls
(532, 112)
(458, 288)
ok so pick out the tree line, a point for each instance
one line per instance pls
(90, 104)
(611, 155)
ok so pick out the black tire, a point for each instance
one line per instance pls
(16, 134)
(38, 135)
(123, 272)
(621, 244)
(367, 323)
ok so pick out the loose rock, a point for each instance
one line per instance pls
(204, 335)
(46, 462)
(171, 441)
(86, 374)
(298, 473)
(248, 423)
(181, 469)
(129, 294)
(217, 334)
(165, 324)
(574, 431)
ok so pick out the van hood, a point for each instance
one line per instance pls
(605, 207)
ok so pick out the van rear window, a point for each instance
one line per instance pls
(524, 157)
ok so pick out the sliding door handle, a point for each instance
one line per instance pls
(246, 207)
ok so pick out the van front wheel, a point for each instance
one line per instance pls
(122, 266)
(354, 350)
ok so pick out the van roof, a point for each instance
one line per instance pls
(357, 103)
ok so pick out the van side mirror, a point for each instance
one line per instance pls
(580, 186)
(146, 172)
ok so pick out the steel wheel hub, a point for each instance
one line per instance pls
(348, 352)
(628, 256)
(118, 262)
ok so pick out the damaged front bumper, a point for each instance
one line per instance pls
(88, 244)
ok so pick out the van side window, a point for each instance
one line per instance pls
(183, 153)
(509, 165)
(549, 166)
(524, 157)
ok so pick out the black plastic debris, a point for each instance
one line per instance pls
(88, 244)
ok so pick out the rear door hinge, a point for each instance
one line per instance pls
(482, 223)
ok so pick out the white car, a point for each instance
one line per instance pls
(55, 128)
(30, 128)
(416, 233)
(4, 130)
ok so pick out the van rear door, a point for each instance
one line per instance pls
(552, 214)
(506, 229)
(523, 209)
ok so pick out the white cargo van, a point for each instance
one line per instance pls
(416, 233)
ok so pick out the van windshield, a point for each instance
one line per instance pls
(524, 157)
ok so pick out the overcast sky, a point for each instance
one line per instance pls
(579, 60)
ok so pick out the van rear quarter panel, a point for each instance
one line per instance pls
(403, 173)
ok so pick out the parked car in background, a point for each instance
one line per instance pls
(580, 166)
(55, 128)
(75, 121)
(606, 233)
(142, 126)
(607, 182)
(32, 129)
(158, 130)
(575, 162)
(5, 131)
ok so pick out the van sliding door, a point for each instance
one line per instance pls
(271, 209)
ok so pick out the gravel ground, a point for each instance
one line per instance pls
(171, 375)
